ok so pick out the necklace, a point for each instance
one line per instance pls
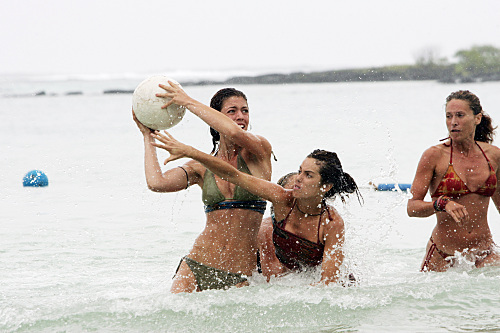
(307, 214)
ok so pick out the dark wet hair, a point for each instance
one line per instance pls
(331, 172)
(216, 103)
(485, 130)
(283, 181)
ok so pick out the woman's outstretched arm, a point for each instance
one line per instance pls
(263, 188)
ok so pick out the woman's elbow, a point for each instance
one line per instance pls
(410, 211)
(154, 185)
(413, 209)
(235, 133)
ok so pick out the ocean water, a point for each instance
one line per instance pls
(95, 251)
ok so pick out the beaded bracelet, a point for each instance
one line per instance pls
(440, 203)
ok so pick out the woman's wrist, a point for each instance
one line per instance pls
(440, 203)
(190, 151)
(191, 104)
(148, 139)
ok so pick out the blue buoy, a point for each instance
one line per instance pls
(35, 178)
(393, 187)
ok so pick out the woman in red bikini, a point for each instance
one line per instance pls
(308, 232)
(461, 176)
(268, 264)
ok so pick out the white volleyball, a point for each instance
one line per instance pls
(147, 107)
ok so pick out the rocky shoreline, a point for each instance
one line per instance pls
(441, 73)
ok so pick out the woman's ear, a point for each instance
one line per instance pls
(478, 117)
(326, 187)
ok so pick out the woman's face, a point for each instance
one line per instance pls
(236, 108)
(460, 119)
(308, 180)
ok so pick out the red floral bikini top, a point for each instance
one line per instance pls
(452, 185)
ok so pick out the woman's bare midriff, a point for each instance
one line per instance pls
(472, 235)
(229, 241)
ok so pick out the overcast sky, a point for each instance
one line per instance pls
(143, 36)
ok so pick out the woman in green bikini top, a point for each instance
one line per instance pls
(226, 250)
(214, 199)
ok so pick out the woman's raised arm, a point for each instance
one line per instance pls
(172, 180)
(256, 144)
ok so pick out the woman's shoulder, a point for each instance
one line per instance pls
(333, 217)
(263, 140)
(195, 169)
(261, 150)
(435, 152)
(284, 205)
(492, 151)
(440, 147)
(333, 225)
(259, 163)
(488, 147)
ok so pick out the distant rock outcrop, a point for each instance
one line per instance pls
(118, 91)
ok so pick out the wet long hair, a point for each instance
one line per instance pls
(485, 130)
(331, 172)
(216, 103)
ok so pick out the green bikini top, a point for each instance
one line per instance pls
(214, 199)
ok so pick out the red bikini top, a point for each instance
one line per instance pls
(452, 185)
(296, 252)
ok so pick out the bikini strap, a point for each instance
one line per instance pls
(319, 222)
(425, 264)
(329, 216)
(484, 154)
(451, 152)
(283, 222)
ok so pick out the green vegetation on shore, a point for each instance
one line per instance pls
(479, 63)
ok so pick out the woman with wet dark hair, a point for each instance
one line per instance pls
(308, 232)
(461, 176)
(217, 103)
(226, 250)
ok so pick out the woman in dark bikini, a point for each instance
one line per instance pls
(226, 250)
(268, 262)
(307, 230)
(461, 176)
